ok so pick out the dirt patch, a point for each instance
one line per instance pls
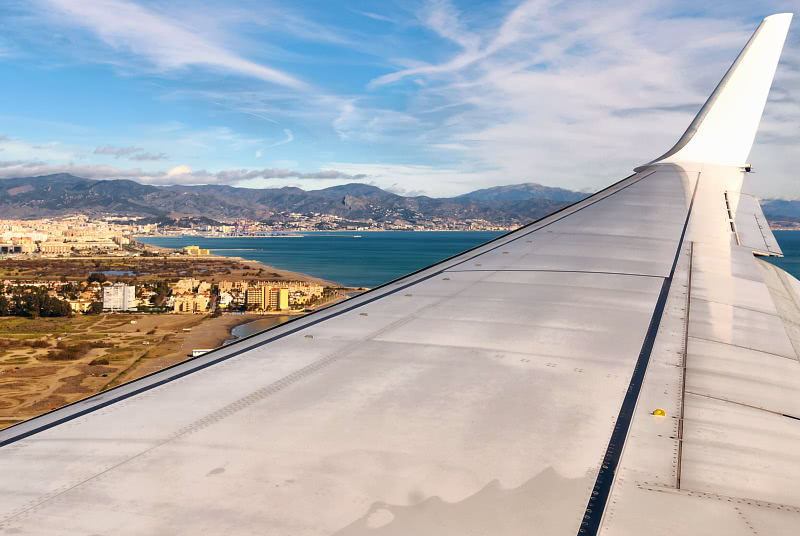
(74, 385)
(47, 404)
(32, 372)
(13, 386)
(35, 385)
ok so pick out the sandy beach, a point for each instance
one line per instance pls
(278, 274)
(211, 333)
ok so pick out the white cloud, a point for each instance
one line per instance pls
(374, 16)
(181, 174)
(23, 151)
(576, 93)
(420, 179)
(117, 152)
(166, 42)
(289, 138)
(179, 170)
(133, 153)
(373, 124)
(573, 94)
(148, 156)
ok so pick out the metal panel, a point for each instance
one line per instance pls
(785, 292)
(738, 451)
(443, 393)
(752, 228)
(395, 416)
(723, 459)
(738, 326)
(740, 375)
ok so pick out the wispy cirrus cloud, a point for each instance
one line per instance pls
(576, 93)
(149, 156)
(373, 16)
(165, 42)
(289, 138)
(455, 96)
(117, 152)
(133, 153)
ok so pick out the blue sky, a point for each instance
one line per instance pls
(431, 96)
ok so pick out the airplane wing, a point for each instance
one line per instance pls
(627, 365)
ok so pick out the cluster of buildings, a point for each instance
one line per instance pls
(196, 250)
(189, 296)
(268, 295)
(64, 236)
(186, 296)
(80, 296)
(294, 222)
(192, 296)
(79, 235)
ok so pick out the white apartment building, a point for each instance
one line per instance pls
(119, 297)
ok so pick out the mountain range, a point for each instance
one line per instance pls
(64, 194)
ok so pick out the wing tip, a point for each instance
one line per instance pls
(723, 131)
(787, 16)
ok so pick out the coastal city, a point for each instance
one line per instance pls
(114, 235)
(79, 237)
(82, 299)
(399, 268)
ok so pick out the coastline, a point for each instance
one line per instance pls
(210, 333)
(280, 272)
(272, 272)
(372, 259)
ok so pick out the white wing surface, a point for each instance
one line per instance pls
(507, 390)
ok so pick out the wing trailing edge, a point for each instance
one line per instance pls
(723, 131)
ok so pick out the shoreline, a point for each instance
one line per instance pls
(283, 274)
(343, 233)
(210, 333)
(280, 272)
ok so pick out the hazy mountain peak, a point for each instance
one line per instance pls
(521, 192)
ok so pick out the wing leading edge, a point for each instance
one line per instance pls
(505, 390)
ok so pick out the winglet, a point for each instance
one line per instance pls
(724, 129)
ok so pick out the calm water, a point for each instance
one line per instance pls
(790, 244)
(373, 259)
(378, 257)
(257, 326)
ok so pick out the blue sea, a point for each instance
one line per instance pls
(790, 244)
(377, 257)
(369, 260)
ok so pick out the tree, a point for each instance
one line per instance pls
(34, 302)
(97, 277)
